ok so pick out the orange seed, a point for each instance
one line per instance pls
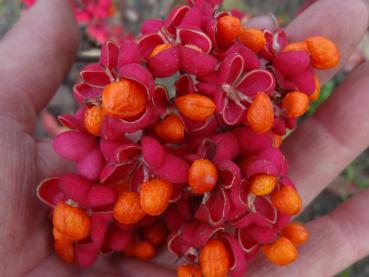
(65, 250)
(195, 106)
(295, 232)
(214, 259)
(124, 99)
(155, 195)
(160, 48)
(71, 222)
(93, 119)
(170, 129)
(188, 270)
(252, 38)
(260, 114)
(144, 250)
(296, 46)
(281, 252)
(324, 52)
(202, 176)
(316, 93)
(228, 29)
(128, 208)
(296, 103)
(263, 184)
(59, 236)
(287, 201)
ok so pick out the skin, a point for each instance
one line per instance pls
(38, 52)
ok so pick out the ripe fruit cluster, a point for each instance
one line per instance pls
(96, 16)
(194, 163)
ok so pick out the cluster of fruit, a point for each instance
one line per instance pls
(96, 16)
(196, 162)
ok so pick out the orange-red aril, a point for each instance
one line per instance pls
(124, 99)
(155, 195)
(202, 176)
(93, 118)
(127, 209)
(287, 201)
(195, 106)
(170, 129)
(281, 252)
(260, 114)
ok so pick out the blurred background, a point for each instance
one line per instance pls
(100, 20)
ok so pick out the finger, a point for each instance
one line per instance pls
(268, 22)
(336, 241)
(48, 162)
(51, 125)
(344, 22)
(35, 55)
(316, 150)
(104, 266)
(132, 267)
(323, 145)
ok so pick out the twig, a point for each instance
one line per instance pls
(87, 56)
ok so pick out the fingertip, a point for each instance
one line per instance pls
(39, 50)
(59, 22)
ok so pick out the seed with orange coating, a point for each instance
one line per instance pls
(155, 195)
(281, 252)
(155, 233)
(127, 209)
(195, 106)
(124, 99)
(63, 246)
(202, 176)
(59, 236)
(112, 9)
(287, 201)
(252, 38)
(323, 52)
(160, 48)
(228, 29)
(263, 184)
(214, 259)
(93, 119)
(296, 103)
(295, 232)
(144, 250)
(171, 129)
(316, 93)
(296, 46)
(260, 114)
(71, 221)
(188, 270)
(65, 250)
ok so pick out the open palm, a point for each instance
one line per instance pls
(37, 53)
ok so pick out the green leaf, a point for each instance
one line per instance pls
(346, 273)
(350, 172)
(231, 4)
(363, 184)
(325, 92)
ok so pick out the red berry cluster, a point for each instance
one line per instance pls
(96, 16)
(177, 139)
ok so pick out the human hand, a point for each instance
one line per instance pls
(37, 53)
